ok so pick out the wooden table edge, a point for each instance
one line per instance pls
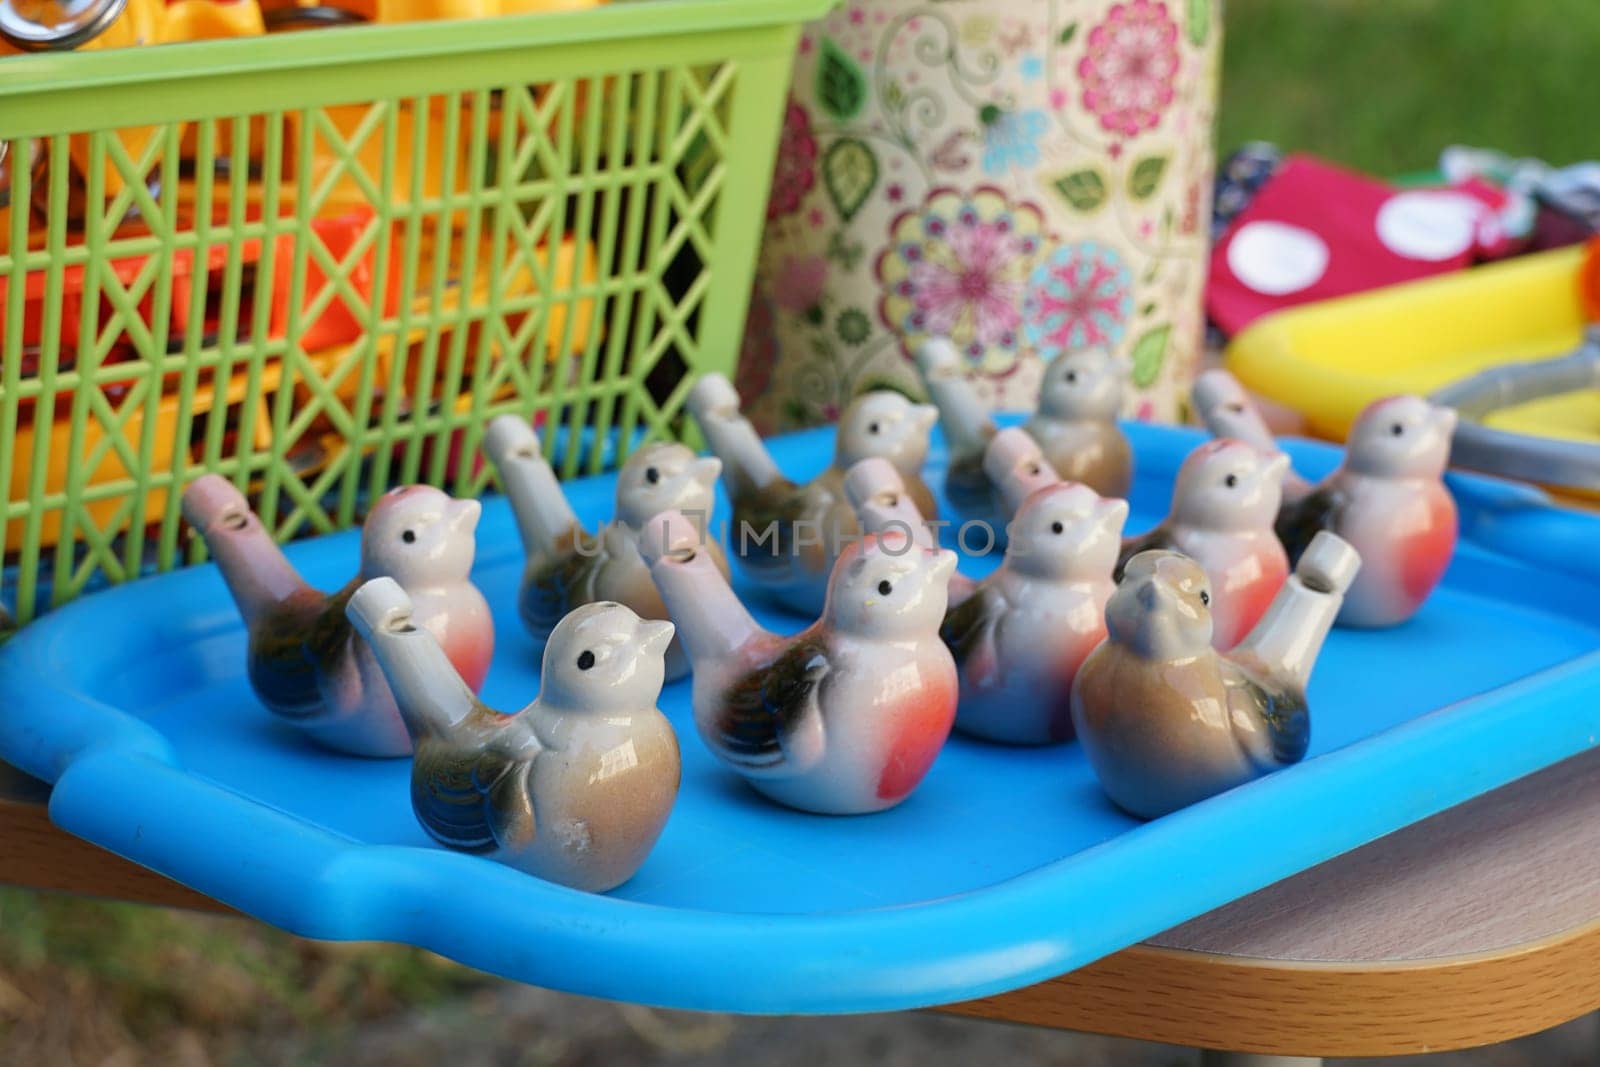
(1315, 1007)
(1178, 996)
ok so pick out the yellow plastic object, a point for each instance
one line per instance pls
(1329, 360)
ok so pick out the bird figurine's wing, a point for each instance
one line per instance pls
(1283, 717)
(298, 643)
(462, 788)
(1161, 537)
(969, 632)
(770, 717)
(770, 522)
(561, 581)
(1299, 520)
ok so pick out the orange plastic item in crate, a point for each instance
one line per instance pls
(335, 324)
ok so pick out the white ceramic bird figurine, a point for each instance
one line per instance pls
(1075, 424)
(576, 787)
(1224, 503)
(1387, 498)
(968, 428)
(304, 662)
(1020, 637)
(845, 717)
(785, 536)
(1164, 719)
(567, 567)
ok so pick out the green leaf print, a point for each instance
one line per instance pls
(1149, 353)
(1084, 190)
(841, 87)
(1068, 33)
(1198, 24)
(849, 172)
(1145, 177)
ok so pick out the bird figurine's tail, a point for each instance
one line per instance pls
(878, 493)
(711, 622)
(1227, 411)
(746, 464)
(1289, 636)
(967, 423)
(255, 568)
(1017, 467)
(431, 696)
(545, 520)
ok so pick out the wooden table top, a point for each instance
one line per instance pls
(1478, 925)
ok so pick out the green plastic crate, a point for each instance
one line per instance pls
(579, 239)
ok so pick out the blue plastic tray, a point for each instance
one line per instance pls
(1006, 867)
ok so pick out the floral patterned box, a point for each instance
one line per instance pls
(1024, 176)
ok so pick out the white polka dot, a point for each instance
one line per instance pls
(1430, 225)
(1276, 258)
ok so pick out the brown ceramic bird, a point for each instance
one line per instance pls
(1164, 719)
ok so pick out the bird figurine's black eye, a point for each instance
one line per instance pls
(1397, 429)
(872, 427)
(1205, 598)
(884, 588)
(1056, 527)
(652, 475)
(1072, 377)
(408, 536)
(585, 660)
(1231, 480)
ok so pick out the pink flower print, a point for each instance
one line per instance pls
(801, 283)
(896, 192)
(806, 45)
(795, 172)
(857, 16)
(1081, 295)
(815, 217)
(758, 354)
(1129, 65)
(955, 268)
(1058, 99)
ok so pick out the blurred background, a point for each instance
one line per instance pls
(1381, 85)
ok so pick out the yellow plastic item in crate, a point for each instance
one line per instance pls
(1329, 360)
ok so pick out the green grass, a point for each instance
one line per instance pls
(1383, 85)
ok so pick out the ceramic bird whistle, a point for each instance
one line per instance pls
(1167, 721)
(1227, 410)
(1224, 503)
(304, 662)
(1018, 468)
(1075, 423)
(845, 717)
(1387, 498)
(566, 566)
(968, 428)
(576, 787)
(1020, 637)
(786, 536)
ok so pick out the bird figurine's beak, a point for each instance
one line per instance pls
(1445, 419)
(944, 566)
(464, 516)
(1278, 466)
(1113, 514)
(654, 636)
(706, 470)
(924, 416)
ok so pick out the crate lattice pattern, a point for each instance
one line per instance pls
(320, 303)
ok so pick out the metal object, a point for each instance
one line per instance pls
(1548, 461)
(56, 25)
